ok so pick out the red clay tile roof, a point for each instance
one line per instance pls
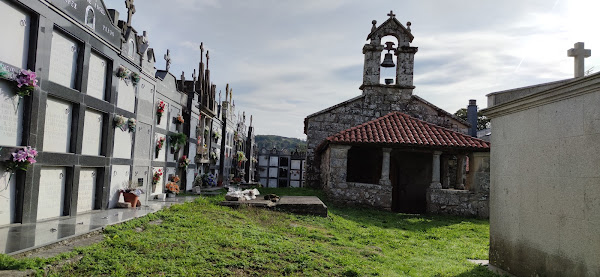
(401, 129)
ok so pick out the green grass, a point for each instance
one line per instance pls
(204, 239)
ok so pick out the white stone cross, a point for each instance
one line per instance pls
(168, 60)
(579, 53)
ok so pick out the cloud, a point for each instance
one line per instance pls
(288, 59)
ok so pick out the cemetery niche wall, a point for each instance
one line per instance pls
(97, 116)
(404, 175)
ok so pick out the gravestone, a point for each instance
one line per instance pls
(159, 186)
(145, 97)
(165, 116)
(119, 179)
(296, 164)
(123, 144)
(63, 60)
(92, 133)
(97, 76)
(140, 178)
(7, 197)
(193, 126)
(273, 172)
(11, 118)
(87, 189)
(263, 160)
(51, 192)
(57, 128)
(272, 183)
(143, 141)
(15, 28)
(189, 180)
(161, 153)
(274, 161)
(126, 96)
(173, 112)
(192, 154)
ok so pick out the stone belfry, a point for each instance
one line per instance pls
(404, 53)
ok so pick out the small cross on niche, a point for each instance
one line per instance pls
(168, 60)
(130, 11)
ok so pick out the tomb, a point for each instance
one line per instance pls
(303, 205)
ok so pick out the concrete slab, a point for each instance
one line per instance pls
(308, 205)
(305, 205)
(19, 238)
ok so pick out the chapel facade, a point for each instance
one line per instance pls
(391, 149)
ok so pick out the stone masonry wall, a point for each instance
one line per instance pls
(333, 164)
(377, 101)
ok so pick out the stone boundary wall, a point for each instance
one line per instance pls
(360, 194)
(458, 202)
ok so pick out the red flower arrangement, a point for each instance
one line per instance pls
(156, 177)
(160, 110)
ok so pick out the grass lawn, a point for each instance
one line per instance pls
(204, 239)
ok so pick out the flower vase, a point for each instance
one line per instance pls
(156, 154)
(158, 117)
(132, 198)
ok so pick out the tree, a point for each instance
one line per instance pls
(482, 121)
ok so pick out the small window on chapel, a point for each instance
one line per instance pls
(90, 18)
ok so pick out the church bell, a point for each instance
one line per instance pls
(388, 61)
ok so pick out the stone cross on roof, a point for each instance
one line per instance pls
(579, 53)
(201, 51)
(207, 57)
(391, 14)
(194, 76)
(130, 11)
(182, 79)
(168, 60)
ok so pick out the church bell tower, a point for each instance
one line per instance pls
(403, 53)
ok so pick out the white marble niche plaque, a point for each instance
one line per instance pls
(63, 60)
(119, 179)
(123, 144)
(15, 30)
(87, 190)
(189, 180)
(7, 197)
(126, 96)
(92, 133)
(11, 117)
(51, 192)
(97, 76)
(57, 127)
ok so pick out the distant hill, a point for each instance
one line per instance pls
(270, 141)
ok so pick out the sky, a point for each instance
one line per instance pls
(286, 59)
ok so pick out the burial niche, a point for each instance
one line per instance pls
(364, 165)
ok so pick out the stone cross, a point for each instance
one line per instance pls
(130, 11)
(579, 53)
(207, 57)
(391, 14)
(182, 77)
(219, 96)
(201, 51)
(194, 76)
(168, 59)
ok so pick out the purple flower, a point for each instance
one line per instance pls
(20, 156)
(31, 160)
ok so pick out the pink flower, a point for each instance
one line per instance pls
(31, 160)
(19, 156)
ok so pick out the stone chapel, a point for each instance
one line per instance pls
(390, 149)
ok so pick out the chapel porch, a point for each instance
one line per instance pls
(428, 169)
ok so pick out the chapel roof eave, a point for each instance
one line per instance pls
(397, 129)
